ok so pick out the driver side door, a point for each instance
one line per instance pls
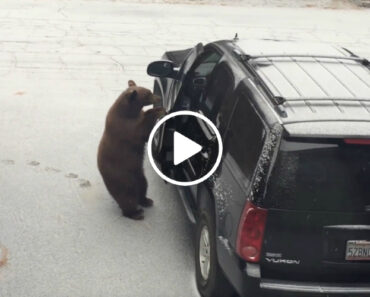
(192, 91)
(183, 71)
(195, 83)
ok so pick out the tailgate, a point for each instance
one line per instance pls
(311, 246)
(318, 224)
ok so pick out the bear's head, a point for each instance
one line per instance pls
(131, 102)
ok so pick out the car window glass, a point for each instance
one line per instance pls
(226, 109)
(191, 94)
(245, 139)
(190, 59)
(219, 88)
(320, 177)
(207, 64)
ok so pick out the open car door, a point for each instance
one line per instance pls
(193, 54)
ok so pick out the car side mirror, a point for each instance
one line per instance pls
(162, 68)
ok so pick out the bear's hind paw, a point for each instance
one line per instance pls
(137, 215)
(147, 202)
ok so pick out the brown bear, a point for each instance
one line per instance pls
(121, 149)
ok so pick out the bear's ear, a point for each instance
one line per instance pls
(132, 96)
(131, 83)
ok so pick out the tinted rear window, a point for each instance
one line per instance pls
(320, 176)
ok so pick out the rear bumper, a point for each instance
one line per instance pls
(247, 281)
(319, 288)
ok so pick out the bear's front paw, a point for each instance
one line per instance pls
(160, 111)
(156, 112)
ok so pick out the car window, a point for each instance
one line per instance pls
(226, 109)
(207, 63)
(245, 137)
(191, 94)
(320, 176)
(219, 88)
(191, 59)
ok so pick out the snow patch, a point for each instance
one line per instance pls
(263, 166)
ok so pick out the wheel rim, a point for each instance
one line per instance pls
(204, 253)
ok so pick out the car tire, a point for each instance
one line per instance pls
(213, 283)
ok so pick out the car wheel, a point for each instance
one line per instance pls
(210, 278)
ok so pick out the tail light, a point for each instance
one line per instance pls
(250, 233)
(357, 141)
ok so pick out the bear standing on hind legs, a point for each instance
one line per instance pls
(121, 149)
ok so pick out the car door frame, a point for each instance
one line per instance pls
(185, 68)
(177, 85)
(194, 190)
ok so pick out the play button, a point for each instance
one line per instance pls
(184, 148)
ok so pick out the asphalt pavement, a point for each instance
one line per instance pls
(62, 64)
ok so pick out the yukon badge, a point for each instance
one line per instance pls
(283, 261)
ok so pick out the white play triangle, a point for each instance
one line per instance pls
(183, 148)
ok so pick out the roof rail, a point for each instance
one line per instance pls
(363, 61)
(327, 120)
(363, 101)
(326, 99)
(275, 100)
(350, 52)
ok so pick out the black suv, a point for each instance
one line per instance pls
(287, 212)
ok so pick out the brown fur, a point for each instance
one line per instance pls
(121, 149)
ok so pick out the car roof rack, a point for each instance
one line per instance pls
(327, 121)
(297, 99)
(335, 100)
(283, 101)
(279, 100)
(276, 100)
(363, 61)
